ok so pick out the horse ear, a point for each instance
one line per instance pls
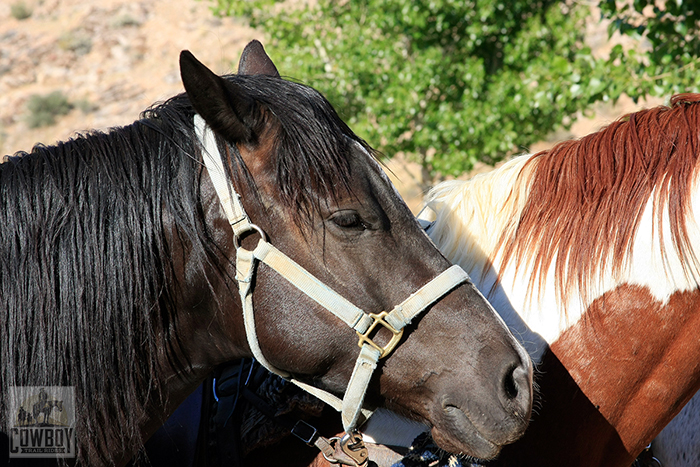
(254, 61)
(224, 105)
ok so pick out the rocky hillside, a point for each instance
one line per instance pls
(111, 59)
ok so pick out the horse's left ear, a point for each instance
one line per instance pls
(224, 105)
(254, 61)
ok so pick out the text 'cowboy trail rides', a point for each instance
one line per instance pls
(42, 421)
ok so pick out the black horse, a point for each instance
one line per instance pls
(118, 272)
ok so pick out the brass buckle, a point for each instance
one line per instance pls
(393, 342)
(354, 447)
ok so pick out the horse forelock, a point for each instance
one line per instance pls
(88, 285)
(312, 145)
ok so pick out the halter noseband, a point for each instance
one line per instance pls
(363, 323)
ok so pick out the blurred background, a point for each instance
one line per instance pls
(443, 88)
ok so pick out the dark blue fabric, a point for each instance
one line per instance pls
(173, 445)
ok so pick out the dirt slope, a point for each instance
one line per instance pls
(114, 57)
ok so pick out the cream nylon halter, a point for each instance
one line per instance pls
(363, 323)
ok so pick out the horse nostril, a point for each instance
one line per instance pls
(510, 385)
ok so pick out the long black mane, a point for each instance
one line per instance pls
(88, 289)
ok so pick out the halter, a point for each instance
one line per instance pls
(364, 324)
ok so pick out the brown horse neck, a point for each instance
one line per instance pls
(645, 370)
(611, 382)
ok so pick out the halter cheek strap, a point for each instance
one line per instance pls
(363, 323)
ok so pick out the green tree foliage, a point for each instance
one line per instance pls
(447, 82)
(670, 62)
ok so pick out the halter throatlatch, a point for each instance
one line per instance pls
(363, 323)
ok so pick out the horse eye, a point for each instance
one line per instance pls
(348, 220)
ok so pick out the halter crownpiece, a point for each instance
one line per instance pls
(363, 323)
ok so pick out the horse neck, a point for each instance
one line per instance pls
(629, 342)
(477, 220)
(620, 377)
(635, 358)
(470, 216)
(210, 329)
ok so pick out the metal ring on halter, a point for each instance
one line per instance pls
(248, 228)
(331, 441)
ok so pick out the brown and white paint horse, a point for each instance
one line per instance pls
(595, 269)
(587, 251)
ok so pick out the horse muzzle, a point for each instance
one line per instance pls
(460, 425)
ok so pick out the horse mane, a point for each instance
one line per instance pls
(88, 298)
(470, 214)
(89, 291)
(577, 206)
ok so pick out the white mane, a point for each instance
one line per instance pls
(471, 216)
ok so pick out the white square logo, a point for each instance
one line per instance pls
(42, 421)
